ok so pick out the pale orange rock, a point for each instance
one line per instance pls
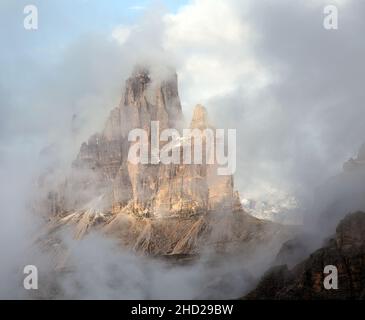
(153, 208)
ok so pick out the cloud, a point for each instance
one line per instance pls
(137, 8)
(293, 90)
(295, 87)
(206, 48)
(121, 33)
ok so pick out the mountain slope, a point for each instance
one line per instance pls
(155, 208)
(346, 251)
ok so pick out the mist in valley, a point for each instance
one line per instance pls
(293, 90)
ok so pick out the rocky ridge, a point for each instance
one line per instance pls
(345, 250)
(153, 208)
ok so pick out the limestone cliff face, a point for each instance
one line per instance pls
(155, 208)
(152, 190)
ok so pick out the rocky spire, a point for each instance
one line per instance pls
(148, 98)
(200, 118)
(148, 190)
(155, 208)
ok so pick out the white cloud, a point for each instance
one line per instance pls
(213, 46)
(137, 8)
(208, 23)
(121, 33)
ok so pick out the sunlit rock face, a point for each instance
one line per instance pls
(153, 190)
(154, 208)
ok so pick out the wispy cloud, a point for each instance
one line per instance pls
(137, 8)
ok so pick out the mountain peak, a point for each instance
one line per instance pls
(200, 117)
(156, 208)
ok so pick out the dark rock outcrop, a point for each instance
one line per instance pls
(346, 251)
(342, 193)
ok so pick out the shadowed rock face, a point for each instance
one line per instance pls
(346, 251)
(339, 195)
(153, 208)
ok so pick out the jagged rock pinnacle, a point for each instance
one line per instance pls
(200, 118)
(157, 208)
